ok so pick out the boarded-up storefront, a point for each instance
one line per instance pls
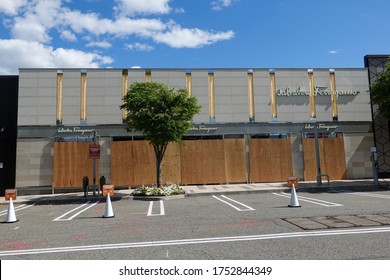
(71, 164)
(332, 158)
(202, 161)
(270, 160)
(133, 163)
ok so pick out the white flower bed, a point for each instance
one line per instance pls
(170, 189)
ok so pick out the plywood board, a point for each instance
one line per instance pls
(235, 160)
(71, 164)
(122, 166)
(171, 164)
(270, 160)
(332, 158)
(144, 163)
(203, 162)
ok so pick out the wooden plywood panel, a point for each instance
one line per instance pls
(116, 166)
(332, 158)
(129, 169)
(260, 160)
(203, 162)
(171, 164)
(255, 160)
(214, 161)
(235, 160)
(191, 163)
(122, 167)
(309, 159)
(71, 164)
(144, 163)
(270, 160)
(285, 159)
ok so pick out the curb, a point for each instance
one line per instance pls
(156, 198)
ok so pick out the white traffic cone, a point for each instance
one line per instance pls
(108, 212)
(11, 216)
(294, 199)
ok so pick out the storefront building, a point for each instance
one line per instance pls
(256, 125)
(376, 64)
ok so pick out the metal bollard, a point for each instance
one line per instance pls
(102, 183)
(85, 185)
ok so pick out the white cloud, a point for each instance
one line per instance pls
(37, 25)
(133, 7)
(39, 18)
(91, 23)
(220, 4)
(178, 37)
(99, 44)
(334, 51)
(34, 54)
(11, 7)
(76, 58)
(68, 36)
(139, 47)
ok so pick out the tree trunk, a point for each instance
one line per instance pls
(159, 151)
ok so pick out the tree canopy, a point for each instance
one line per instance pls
(380, 93)
(162, 114)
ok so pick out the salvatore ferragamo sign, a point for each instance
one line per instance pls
(319, 91)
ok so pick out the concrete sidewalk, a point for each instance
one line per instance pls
(204, 190)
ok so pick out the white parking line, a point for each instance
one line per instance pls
(311, 200)
(17, 208)
(246, 207)
(372, 195)
(162, 210)
(273, 236)
(60, 218)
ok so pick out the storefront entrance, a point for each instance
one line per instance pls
(71, 164)
(202, 160)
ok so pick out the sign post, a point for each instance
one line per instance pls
(94, 153)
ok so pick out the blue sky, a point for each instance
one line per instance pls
(191, 33)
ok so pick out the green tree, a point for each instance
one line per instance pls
(380, 93)
(162, 114)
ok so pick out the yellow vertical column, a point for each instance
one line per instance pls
(272, 79)
(189, 82)
(251, 96)
(125, 85)
(83, 97)
(60, 78)
(148, 75)
(211, 96)
(313, 114)
(335, 112)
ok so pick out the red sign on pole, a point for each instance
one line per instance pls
(94, 151)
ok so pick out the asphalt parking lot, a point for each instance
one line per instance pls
(223, 226)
